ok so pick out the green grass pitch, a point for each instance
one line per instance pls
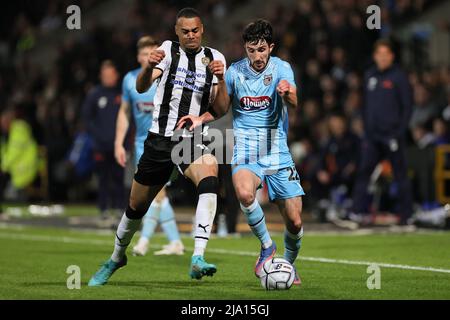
(33, 263)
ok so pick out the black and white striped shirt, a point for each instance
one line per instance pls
(185, 86)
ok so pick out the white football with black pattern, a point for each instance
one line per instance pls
(277, 274)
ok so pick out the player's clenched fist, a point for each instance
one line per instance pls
(156, 56)
(283, 88)
(217, 68)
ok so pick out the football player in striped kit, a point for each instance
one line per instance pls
(141, 106)
(186, 84)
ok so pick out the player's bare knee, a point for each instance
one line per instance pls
(160, 196)
(294, 220)
(138, 203)
(297, 224)
(294, 225)
(139, 208)
(208, 160)
(197, 173)
(211, 170)
(245, 197)
(136, 210)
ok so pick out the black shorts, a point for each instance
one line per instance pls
(162, 154)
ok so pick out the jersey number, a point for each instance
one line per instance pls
(293, 176)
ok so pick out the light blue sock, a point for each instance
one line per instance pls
(292, 244)
(257, 222)
(167, 221)
(150, 220)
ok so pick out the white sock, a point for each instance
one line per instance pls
(125, 231)
(204, 217)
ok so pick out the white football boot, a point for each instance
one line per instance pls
(173, 248)
(141, 248)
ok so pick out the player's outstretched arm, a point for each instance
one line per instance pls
(288, 92)
(221, 102)
(149, 74)
(122, 125)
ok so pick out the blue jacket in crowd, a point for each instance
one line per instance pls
(100, 110)
(387, 104)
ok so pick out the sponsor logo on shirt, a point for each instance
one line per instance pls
(255, 103)
(145, 107)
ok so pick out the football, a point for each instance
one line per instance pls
(277, 274)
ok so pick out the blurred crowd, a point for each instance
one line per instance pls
(326, 42)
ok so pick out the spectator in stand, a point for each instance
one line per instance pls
(339, 158)
(100, 111)
(421, 164)
(424, 109)
(386, 114)
(440, 131)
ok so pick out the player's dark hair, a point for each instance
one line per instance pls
(258, 30)
(146, 41)
(188, 13)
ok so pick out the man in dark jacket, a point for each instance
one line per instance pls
(339, 157)
(386, 114)
(100, 110)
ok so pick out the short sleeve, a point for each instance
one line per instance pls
(165, 63)
(125, 90)
(219, 56)
(229, 81)
(286, 72)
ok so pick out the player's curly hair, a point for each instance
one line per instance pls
(258, 30)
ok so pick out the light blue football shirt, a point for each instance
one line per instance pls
(260, 118)
(141, 107)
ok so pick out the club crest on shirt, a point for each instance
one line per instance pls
(267, 79)
(206, 61)
(372, 83)
(102, 102)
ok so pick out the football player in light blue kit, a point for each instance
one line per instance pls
(260, 88)
(141, 106)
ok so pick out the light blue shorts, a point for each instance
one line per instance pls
(281, 183)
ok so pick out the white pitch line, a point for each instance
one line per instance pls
(15, 236)
(380, 264)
